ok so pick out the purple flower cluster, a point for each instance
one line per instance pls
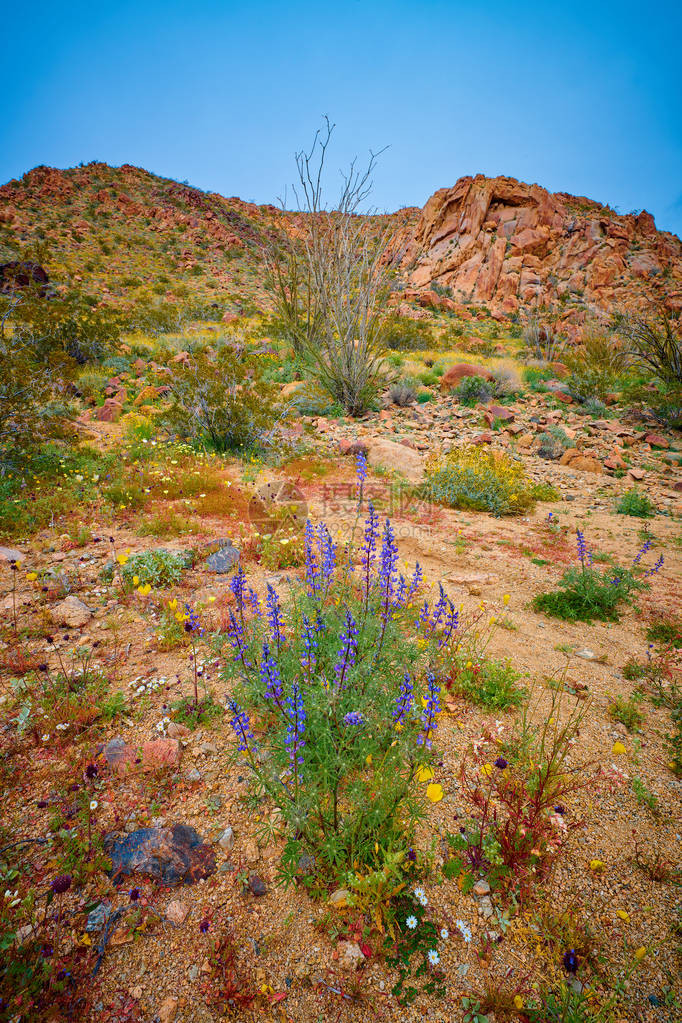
(430, 712)
(238, 587)
(327, 549)
(642, 551)
(241, 725)
(309, 658)
(294, 740)
(347, 650)
(404, 701)
(388, 560)
(655, 569)
(361, 467)
(270, 676)
(235, 635)
(582, 546)
(353, 718)
(192, 623)
(275, 620)
(369, 546)
(312, 568)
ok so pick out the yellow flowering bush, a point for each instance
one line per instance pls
(480, 480)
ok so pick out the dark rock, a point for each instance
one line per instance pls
(175, 855)
(256, 885)
(19, 274)
(98, 917)
(224, 559)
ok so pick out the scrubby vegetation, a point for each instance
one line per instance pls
(473, 478)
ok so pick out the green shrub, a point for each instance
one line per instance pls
(585, 593)
(627, 712)
(159, 568)
(665, 630)
(407, 335)
(403, 393)
(472, 478)
(222, 401)
(636, 504)
(471, 390)
(335, 684)
(488, 683)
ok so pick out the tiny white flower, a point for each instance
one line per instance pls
(420, 896)
(45, 738)
(434, 958)
(93, 804)
(411, 922)
(444, 933)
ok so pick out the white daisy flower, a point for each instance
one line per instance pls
(93, 804)
(444, 933)
(411, 922)
(434, 958)
(420, 896)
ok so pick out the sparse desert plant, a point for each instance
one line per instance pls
(626, 712)
(470, 477)
(403, 393)
(540, 333)
(586, 592)
(222, 401)
(154, 568)
(596, 364)
(331, 288)
(471, 390)
(656, 346)
(507, 381)
(634, 502)
(404, 334)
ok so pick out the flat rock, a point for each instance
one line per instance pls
(390, 454)
(223, 560)
(71, 612)
(175, 855)
(9, 554)
(256, 885)
(226, 840)
(176, 912)
(351, 956)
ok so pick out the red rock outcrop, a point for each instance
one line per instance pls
(505, 244)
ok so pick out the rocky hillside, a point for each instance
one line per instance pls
(133, 237)
(499, 242)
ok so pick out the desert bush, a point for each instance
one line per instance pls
(472, 478)
(634, 503)
(553, 442)
(586, 592)
(402, 334)
(656, 346)
(157, 568)
(508, 383)
(222, 401)
(471, 390)
(403, 393)
(283, 549)
(540, 333)
(334, 690)
(626, 712)
(514, 787)
(596, 365)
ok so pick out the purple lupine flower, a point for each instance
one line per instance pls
(451, 625)
(353, 717)
(238, 585)
(570, 961)
(361, 467)
(655, 569)
(327, 549)
(192, 623)
(640, 554)
(294, 740)
(438, 610)
(235, 634)
(312, 570)
(388, 559)
(254, 602)
(270, 676)
(275, 616)
(424, 616)
(368, 552)
(582, 547)
(309, 658)
(319, 623)
(241, 725)
(347, 650)
(416, 582)
(432, 708)
(400, 593)
(404, 701)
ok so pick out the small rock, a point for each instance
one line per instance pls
(176, 912)
(587, 655)
(98, 917)
(306, 865)
(223, 560)
(226, 840)
(256, 885)
(481, 888)
(352, 956)
(9, 554)
(485, 907)
(177, 731)
(192, 775)
(136, 993)
(339, 898)
(167, 1009)
(71, 612)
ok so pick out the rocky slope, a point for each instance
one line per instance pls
(131, 236)
(499, 242)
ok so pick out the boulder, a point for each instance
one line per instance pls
(174, 855)
(390, 454)
(71, 612)
(153, 755)
(575, 459)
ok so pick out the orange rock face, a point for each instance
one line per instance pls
(499, 242)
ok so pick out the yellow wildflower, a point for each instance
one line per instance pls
(623, 915)
(31, 576)
(136, 580)
(487, 769)
(172, 604)
(597, 866)
(640, 953)
(518, 1002)
(424, 773)
(505, 601)
(618, 748)
(434, 792)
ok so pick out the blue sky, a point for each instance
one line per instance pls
(579, 97)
